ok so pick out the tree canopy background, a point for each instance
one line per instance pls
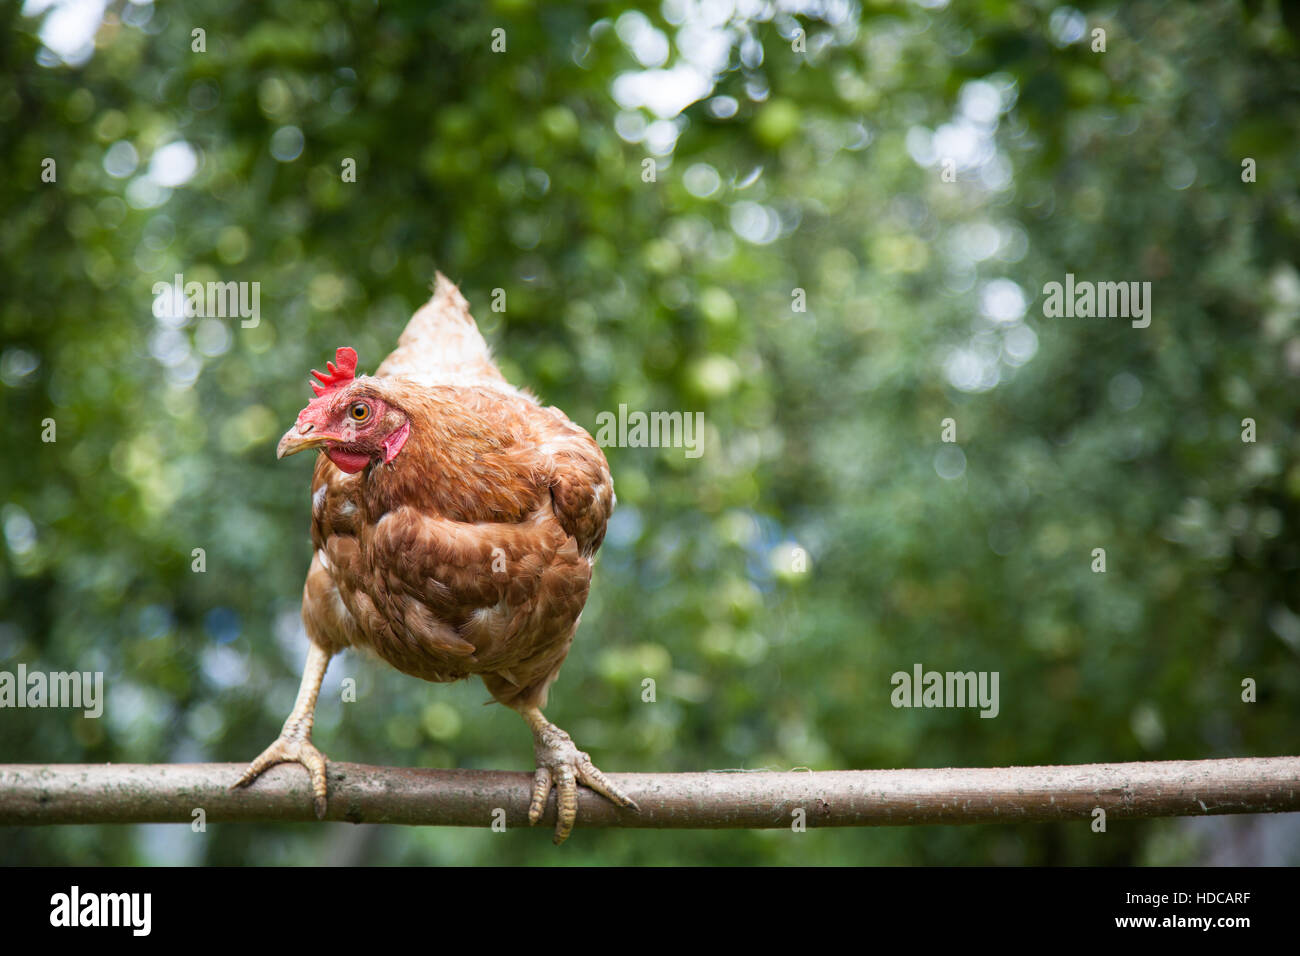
(798, 153)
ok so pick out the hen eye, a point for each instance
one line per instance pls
(359, 411)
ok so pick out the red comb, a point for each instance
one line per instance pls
(338, 374)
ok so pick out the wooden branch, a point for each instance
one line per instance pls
(32, 794)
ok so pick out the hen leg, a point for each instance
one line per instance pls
(294, 743)
(562, 765)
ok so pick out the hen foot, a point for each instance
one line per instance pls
(560, 764)
(291, 749)
(294, 743)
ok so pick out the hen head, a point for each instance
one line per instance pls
(349, 419)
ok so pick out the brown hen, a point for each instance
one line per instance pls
(455, 521)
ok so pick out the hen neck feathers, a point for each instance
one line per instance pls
(460, 463)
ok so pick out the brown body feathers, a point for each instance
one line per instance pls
(470, 551)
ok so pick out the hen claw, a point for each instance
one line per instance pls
(562, 765)
(290, 749)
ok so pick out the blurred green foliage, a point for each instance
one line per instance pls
(810, 162)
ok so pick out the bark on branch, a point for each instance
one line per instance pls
(33, 794)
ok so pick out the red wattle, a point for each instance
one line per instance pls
(348, 461)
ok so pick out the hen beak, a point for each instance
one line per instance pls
(299, 438)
